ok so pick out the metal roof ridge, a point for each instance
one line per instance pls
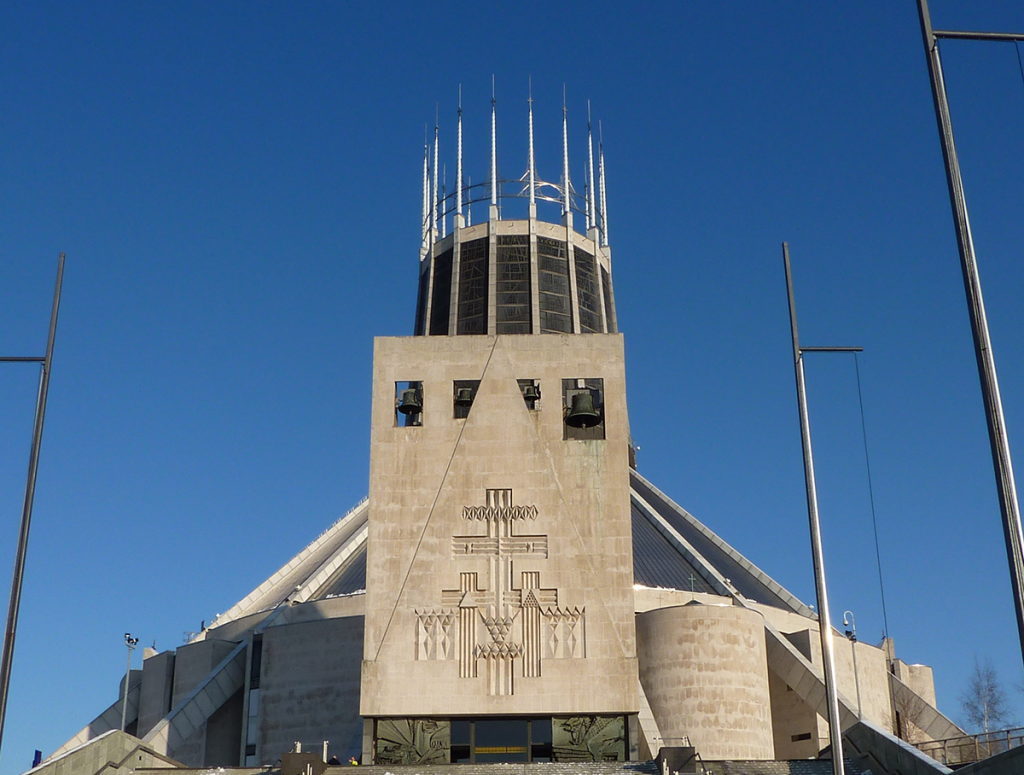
(315, 581)
(797, 605)
(709, 572)
(239, 608)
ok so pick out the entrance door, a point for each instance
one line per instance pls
(501, 740)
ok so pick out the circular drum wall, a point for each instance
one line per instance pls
(705, 672)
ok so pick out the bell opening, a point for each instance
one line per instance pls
(408, 404)
(583, 408)
(530, 388)
(463, 395)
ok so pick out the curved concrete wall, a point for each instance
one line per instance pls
(705, 672)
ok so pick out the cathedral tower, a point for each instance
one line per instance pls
(499, 611)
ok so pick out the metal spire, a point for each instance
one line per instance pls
(433, 210)
(591, 206)
(533, 171)
(458, 174)
(444, 196)
(494, 153)
(424, 224)
(565, 156)
(469, 197)
(586, 197)
(604, 201)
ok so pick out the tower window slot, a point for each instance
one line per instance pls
(441, 296)
(463, 395)
(583, 409)
(473, 279)
(586, 286)
(553, 286)
(513, 284)
(530, 388)
(408, 404)
(609, 301)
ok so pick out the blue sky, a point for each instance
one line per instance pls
(237, 188)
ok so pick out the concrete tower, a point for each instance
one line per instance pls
(499, 576)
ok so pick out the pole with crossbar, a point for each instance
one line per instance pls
(835, 728)
(998, 440)
(30, 491)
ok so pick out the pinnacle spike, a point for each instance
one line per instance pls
(458, 180)
(533, 169)
(494, 150)
(591, 203)
(433, 217)
(565, 157)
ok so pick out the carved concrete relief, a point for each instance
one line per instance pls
(434, 634)
(563, 631)
(506, 621)
(413, 741)
(588, 739)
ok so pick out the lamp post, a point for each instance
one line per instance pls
(131, 643)
(1013, 531)
(7, 655)
(851, 635)
(835, 728)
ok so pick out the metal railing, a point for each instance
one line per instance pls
(972, 748)
(684, 742)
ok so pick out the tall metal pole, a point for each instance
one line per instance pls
(131, 643)
(824, 620)
(26, 512)
(998, 440)
(851, 636)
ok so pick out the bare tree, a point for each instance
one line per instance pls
(984, 701)
(909, 708)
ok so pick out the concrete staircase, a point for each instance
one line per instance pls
(535, 768)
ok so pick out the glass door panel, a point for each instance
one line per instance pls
(501, 740)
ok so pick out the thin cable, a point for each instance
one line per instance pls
(871, 496)
(1020, 65)
(430, 515)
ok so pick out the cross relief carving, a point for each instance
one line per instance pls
(502, 622)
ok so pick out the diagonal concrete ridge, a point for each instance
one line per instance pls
(887, 754)
(208, 696)
(282, 583)
(109, 720)
(323, 574)
(786, 661)
(650, 734)
(109, 752)
(201, 703)
(707, 571)
(926, 717)
(755, 574)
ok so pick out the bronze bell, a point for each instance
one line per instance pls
(464, 397)
(582, 414)
(531, 394)
(410, 402)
